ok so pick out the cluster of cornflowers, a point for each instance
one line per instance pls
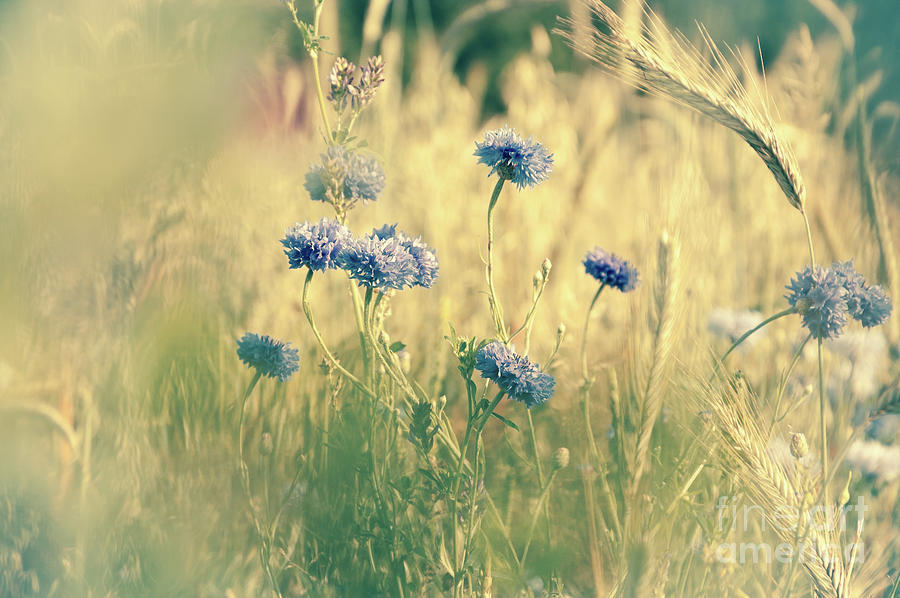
(826, 297)
(386, 259)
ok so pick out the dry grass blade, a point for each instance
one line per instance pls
(666, 294)
(666, 63)
(770, 486)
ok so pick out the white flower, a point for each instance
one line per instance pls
(866, 354)
(731, 324)
(875, 458)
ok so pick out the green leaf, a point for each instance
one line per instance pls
(397, 346)
(506, 421)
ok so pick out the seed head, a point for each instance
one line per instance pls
(561, 458)
(799, 446)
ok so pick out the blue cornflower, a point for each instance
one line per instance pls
(344, 178)
(518, 377)
(853, 282)
(269, 356)
(611, 270)
(819, 296)
(425, 256)
(873, 306)
(315, 246)
(379, 263)
(867, 304)
(525, 163)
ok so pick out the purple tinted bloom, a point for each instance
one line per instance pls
(270, 357)
(370, 79)
(379, 263)
(344, 178)
(425, 256)
(867, 304)
(873, 306)
(315, 246)
(525, 163)
(611, 270)
(825, 297)
(819, 296)
(518, 377)
(341, 82)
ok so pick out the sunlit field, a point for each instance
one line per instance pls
(290, 307)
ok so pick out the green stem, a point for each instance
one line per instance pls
(540, 469)
(273, 524)
(356, 114)
(496, 309)
(784, 380)
(584, 334)
(357, 304)
(586, 380)
(243, 463)
(360, 323)
(529, 317)
(809, 243)
(534, 517)
(475, 424)
(314, 54)
(245, 479)
(822, 428)
(367, 323)
(476, 464)
(534, 447)
(747, 334)
(328, 354)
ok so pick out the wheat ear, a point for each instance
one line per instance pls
(769, 485)
(665, 63)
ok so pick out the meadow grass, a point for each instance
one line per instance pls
(154, 154)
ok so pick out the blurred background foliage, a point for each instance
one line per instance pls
(153, 151)
(481, 36)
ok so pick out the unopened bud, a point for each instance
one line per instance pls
(545, 267)
(561, 331)
(844, 498)
(405, 360)
(538, 280)
(799, 446)
(561, 458)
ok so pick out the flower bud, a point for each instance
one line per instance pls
(561, 458)
(561, 331)
(844, 498)
(538, 280)
(799, 446)
(545, 267)
(405, 360)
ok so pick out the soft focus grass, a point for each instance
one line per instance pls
(152, 155)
